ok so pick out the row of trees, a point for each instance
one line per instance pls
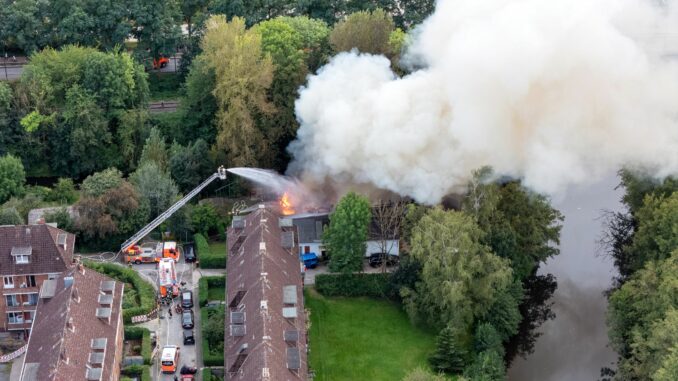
(30, 25)
(241, 88)
(643, 309)
(469, 274)
(79, 110)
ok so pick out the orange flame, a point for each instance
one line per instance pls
(286, 206)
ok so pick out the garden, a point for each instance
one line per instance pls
(363, 338)
(212, 288)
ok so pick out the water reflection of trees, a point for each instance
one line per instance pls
(535, 309)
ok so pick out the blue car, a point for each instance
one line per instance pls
(310, 260)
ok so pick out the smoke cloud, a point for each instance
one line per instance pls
(553, 92)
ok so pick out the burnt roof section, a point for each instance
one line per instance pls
(46, 255)
(63, 349)
(263, 268)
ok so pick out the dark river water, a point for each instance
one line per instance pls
(574, 345)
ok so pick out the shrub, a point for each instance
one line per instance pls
(61, 217)
(143, 371)
(143, 334)
(207, 374)
(147, 297)
(372, 285)
(10, 216)
(211, 356)
(39, 191)
(64, 192)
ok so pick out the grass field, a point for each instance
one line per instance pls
(216, 293)
(363, 339)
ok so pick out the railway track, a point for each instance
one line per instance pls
(163, 106)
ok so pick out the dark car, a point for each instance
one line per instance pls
(186, 299)
(189, 254)
(187, 319)
(188, 337)
(377, 259)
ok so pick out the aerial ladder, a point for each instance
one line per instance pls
(220, 174)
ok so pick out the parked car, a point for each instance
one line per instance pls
(187, 299)
(189, 253)
(187, 319)
(377, 259)
(188, 337)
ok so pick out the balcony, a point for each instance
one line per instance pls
(19, 326)
(19, 308)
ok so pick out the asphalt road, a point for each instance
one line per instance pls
(12, 71)
(169, 329)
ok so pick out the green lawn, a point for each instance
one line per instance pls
(217, 248)
(363, 339)
(216, 293)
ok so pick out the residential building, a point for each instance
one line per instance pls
(311, 226)
(29, 255)
(78, 330)
(265, 320)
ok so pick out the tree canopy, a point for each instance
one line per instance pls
(461, 278)
(345, 238)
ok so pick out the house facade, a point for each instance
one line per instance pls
(78, 330)
(29, 255)
(310, 227)
(265, 333)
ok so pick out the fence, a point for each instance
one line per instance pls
(10, 70)
(11, 356)
(144, 318)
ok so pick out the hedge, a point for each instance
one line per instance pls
(205, 283)
(143, 371)
(376, 285)
(202, 291)
(208, 259)
(146, 292)
(136, 333)
(209, 358)
(206, 374)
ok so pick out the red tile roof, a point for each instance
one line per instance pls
(66, 324)
(260, 266)
(46, 255)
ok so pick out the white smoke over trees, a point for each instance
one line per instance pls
(554, 92)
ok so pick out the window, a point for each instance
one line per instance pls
(22, 259)
(12, 300)
(28, 316)
(15, 317)
(9, 281)
(30, 280)
(32, 300)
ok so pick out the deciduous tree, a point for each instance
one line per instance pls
(156, 188)
(243, 75)
(345, 238)
(366, 31)
(12, 177)
(461, 279)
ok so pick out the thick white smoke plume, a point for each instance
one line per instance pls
(555, 92)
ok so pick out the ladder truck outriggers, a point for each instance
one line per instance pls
(168, 288)
(137, 254)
